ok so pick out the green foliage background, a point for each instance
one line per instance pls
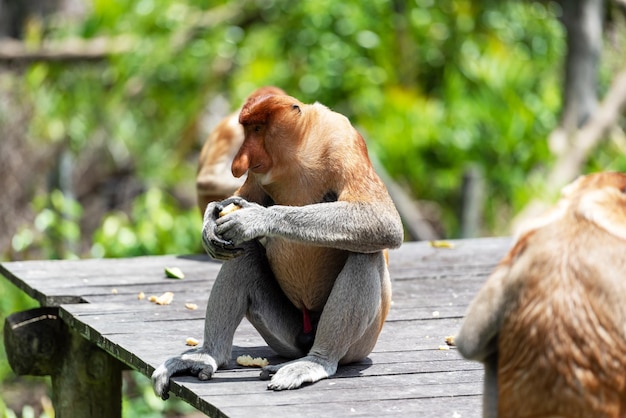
(435, 86)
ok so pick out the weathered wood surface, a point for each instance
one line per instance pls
(406, 373)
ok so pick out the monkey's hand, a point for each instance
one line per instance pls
(195, 362)
(250, 222)
(213, 243)
(293, 374)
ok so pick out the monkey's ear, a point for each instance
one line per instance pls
(605, 207)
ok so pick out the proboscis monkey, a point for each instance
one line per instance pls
(214, 180)
(550, 322)
(304, 254)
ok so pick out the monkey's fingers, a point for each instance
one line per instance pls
(237, 201)
(219, 248)
(224, 253)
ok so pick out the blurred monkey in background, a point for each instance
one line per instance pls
(550, 323)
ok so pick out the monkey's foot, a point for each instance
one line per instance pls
(294, 374)
(194, 362)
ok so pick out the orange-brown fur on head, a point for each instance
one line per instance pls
(214, 180)
(562, 340)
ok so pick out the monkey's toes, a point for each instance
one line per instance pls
(268, 371)
(161, 383)
(206, 373)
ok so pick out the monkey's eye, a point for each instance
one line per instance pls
(296, 107)
(257, 128)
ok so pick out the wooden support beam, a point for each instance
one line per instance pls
(86, 381)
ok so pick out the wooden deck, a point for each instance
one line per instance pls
(407, 374)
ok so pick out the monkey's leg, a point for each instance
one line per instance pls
(244, 286)
(490, 389)
(349, 314)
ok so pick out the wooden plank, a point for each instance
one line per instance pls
(328, 397)
(452, 407)
(407, 373)
(52, 282)
(72, 281)
(406, 349)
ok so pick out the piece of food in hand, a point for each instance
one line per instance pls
(248, 361)
(174, 273)
(190, 341)
(229, 208)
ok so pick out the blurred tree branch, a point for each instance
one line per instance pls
(583, 22)
(79, 49)
(584, 123)
(582, 142)
(67, 50)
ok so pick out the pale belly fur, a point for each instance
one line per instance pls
(306, 273)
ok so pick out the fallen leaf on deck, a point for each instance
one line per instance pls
(174, 273)
(441, 244)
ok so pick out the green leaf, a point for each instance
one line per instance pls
(174, 273)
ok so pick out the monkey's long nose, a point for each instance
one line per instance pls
(240, 164)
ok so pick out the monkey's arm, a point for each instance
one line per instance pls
(363, 227)
(477, 339)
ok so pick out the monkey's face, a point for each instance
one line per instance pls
(273, 128)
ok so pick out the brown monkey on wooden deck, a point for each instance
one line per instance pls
(304, 254)
(550, 322)
(214, 180)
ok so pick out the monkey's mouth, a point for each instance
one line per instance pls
(258, 169)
